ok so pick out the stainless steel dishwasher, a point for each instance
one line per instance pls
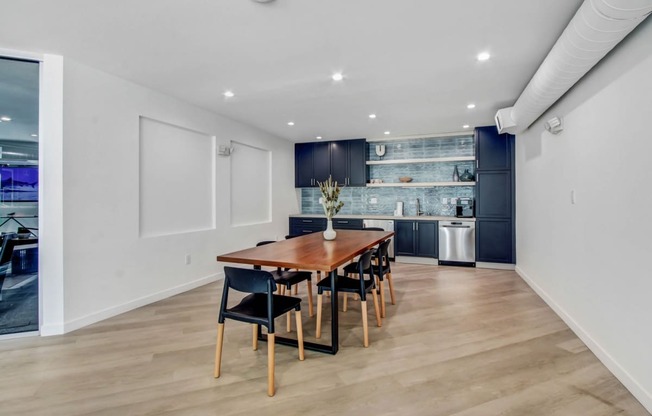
(457, 243)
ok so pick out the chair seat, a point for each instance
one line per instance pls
(253, 308)
(345, 284)
(289, 278)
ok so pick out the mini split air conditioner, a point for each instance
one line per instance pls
(504, 121)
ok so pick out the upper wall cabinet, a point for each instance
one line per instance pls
(493, 151)
(311, 163)
(344, 160)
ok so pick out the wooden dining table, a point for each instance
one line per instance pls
(312, 252)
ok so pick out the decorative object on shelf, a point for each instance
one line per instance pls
(380, 150)
(330, 192)
(466, 176)
(375, 181)
(405, 179)
(456, 175)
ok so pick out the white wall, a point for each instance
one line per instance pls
(108, 268)
(590, 260)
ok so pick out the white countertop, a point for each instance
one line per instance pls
(386, 217)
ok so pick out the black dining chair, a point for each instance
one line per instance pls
(360, 286)
(286, 278)
(383, 270)
(260, 307)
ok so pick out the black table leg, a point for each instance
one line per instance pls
(335, 333)
(312, 346)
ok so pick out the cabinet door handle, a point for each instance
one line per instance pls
(476, 163)
(417, 226)
(342, 222)
(306, 220)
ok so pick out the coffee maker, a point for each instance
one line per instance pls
(465, 208)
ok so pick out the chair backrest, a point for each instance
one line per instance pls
(382, 255)
(248, 280)
(287, 237)
(364, 263)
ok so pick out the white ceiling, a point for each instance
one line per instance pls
(411, 62)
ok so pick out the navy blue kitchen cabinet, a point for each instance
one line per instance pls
(344, 160)
(307, 225)
(300, 226)
(494, 199)
(311, 164)
(494, 235)
(493, 191)
(493, 151)
(347, 224)
(415, 238)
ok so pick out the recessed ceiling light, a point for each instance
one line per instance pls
(337, 76)
(372, 116)
(228, 94)
(386, 132)
(466, 126)
(484, 56)
(5, 118)
(34, 135)
(470, 106)
(318, 137)
(290, 123)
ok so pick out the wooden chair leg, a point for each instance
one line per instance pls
(297, 316)
(318, 279)
(365, 325)
(270, 365)
(318, 332)
(254, 339)
(391, 288)
(382, 298)
(296, 289)
(376, 307)
(218, 350)
(311, 309)
(289, 320)
(345, 303)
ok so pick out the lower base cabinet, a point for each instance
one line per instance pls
(416, 238)
(493, 241)
(307, 225)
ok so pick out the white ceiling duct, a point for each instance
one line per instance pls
(596, 28)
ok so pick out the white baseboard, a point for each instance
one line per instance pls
(112, 311)
(638, 391)
(499, 266)
(416, 260)
(47, 330)
(19, 335)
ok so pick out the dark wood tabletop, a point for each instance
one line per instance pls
(310, 251)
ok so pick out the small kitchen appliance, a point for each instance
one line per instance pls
(464, 208)
(398, 212)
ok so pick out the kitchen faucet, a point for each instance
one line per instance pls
(419, 212)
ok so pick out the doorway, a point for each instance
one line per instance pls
(19, 195)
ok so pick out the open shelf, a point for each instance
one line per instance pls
(419, 184)
(426, 160)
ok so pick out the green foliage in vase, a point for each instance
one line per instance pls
(330, 192)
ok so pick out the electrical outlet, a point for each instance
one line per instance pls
(188, 259)
(373, 201)
(321, 200)
(444, 201)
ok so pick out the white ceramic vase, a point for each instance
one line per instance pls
(329, 234)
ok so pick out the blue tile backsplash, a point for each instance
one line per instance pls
(357, 200)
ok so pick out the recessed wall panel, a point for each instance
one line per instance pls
(251, 185)
(177, 179)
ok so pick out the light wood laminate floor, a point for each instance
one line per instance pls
(459, 342)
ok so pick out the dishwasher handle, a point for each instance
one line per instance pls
(456, 226)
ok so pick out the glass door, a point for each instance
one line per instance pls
(19, 164)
